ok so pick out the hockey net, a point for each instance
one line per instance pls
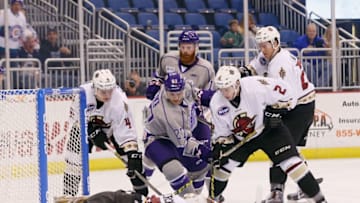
(35, 127)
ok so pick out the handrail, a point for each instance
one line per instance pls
(111, 14)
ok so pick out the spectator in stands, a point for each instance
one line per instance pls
(327, 39)
(50, 48)
(134, 86)
(28, 79)
(309, 40)
(29, 46)
(252, 30)
(233, 37)
(17, 24)
(314, 65)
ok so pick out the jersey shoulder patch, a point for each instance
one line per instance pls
(223, 110)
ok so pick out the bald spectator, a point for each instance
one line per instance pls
(233, 37)
(310, 40)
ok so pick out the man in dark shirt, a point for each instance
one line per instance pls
(50, 48)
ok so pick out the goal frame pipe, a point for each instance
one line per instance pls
(41, 97)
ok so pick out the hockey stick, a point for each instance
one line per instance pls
(204, 121)
(141, 177)
(241, 143)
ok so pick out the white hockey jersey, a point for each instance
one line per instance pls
(115, 113)
(285, 66)
(247, 118)
(17, 24)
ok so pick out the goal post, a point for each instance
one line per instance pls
(35, 129)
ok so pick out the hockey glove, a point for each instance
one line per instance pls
(272, 117)
(218, 149)
(153, 88)
(245, 71)
(96, 135)
(134, 163)
(196, 148)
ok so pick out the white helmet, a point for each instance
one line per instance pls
(227, 76)
(104, 79)
(268, 34)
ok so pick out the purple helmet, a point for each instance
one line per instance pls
(174, 82)
(188, 36)
(19, 1)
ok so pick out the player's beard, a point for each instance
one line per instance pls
(187, 59)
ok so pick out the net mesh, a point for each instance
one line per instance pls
(19, 145)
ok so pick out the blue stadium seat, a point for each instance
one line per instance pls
(239, 16)
(222, 19)
(155, 34)
(217, 4)
(194, 5)
(266, 19)
(183, 27)
(239, 5)
(170, 4)
(216, 39)
(115, 5)
(98, 3)
(288, 36)
(127, 17)
(144, 18)
(143, 4)
(195, 19)
(172, 19)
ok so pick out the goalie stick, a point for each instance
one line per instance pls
(141, 177)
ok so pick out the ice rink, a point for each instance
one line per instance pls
(247, 184)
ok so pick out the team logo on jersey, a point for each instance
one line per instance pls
(262, 61)
(243, 125)
(263, 82)
(15, 32)
(282, 73)
(223, 110)
(170, 69)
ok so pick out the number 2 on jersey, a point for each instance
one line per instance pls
(279, 89)
(304, 84)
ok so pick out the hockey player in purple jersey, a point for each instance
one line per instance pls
(249, 111)
(186, 62)
(175, 142)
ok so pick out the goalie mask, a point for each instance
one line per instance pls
(104, 82)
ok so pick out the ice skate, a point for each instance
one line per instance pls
(299, 194)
